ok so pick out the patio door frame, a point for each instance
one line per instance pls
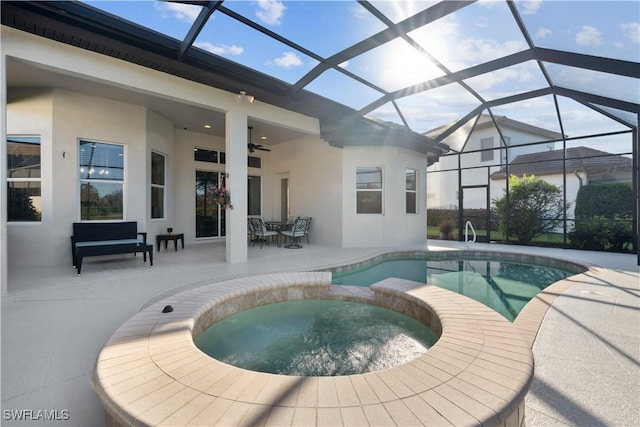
(461, 218)
(220, 215)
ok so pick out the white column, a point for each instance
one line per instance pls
(236, 152)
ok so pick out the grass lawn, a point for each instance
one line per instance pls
(550, 239)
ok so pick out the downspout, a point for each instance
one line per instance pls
(575, 172)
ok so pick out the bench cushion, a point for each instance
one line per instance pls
(108, 242)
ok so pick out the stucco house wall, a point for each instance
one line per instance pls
(443, 187)
(72, 117)
(32, 114)
(321, 176)
(314, 171)
(393, 227)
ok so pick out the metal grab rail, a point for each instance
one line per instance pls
(466, 233)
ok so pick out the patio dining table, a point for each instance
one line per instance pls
(278, 226)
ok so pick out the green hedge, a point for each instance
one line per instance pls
(437, 216)
(604, 200)
(604, 218)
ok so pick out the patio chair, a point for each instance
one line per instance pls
(260, 231)
(250, 232)
(299, 229)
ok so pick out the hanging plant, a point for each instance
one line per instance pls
(220, 197)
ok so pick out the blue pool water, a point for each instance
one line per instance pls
(505, 286)
(316, 338)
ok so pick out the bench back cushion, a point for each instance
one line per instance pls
(96, 231)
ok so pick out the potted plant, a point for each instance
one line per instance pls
(446, 227)
(220, 197)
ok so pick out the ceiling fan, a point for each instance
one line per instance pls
(253, 147)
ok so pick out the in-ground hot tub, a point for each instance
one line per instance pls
(313, 337)
(151, 373)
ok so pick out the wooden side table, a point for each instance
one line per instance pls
(166, 237)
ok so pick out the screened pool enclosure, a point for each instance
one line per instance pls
(488, 89)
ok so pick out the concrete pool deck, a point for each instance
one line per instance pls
(587, 352)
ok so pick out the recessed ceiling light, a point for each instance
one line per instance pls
(207, 126)
(263, 137)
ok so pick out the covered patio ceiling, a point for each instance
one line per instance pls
(372, 69)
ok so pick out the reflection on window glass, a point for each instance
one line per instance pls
(411, 176)
(23, 179)
(210, 218)
(101, 201)
(101, 172)
(202, 155)
(369, 190)
(101, 161)
(24, 201)
(157, 185)
(254, 195)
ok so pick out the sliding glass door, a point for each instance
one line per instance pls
(210, 218)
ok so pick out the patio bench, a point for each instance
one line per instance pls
(107, 238)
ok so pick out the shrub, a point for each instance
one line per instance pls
(603, 217)
(446, 227)
(535, 207)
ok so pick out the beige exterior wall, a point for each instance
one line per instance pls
(321, 177)
(393, 227)
(315, 185)
(61, 118)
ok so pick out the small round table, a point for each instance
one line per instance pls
(166, 237)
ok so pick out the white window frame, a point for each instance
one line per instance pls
(408, 191)
(123, 182)
(162, 186)
(380, 190)
(9, 179)
(487, 151)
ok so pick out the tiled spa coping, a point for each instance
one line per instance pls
(151, 373)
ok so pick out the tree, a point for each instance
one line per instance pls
(534, 207)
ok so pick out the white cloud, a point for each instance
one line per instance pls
(482, 22)
(631, 31)
(482, 50)
(270, 11)
(360, 12)
(287, 60)
(530, 7)
(543, 33)
(589, 36)
(220, 49)
(182, 12)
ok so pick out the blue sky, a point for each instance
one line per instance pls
(475, 34)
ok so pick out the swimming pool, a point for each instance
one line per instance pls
(504, 282)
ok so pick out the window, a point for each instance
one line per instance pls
(23, 179)
(254, 187)
(369, 190)
(254, 162)
(157, 184)
(101, 181)
(411, 190)
(202, 155)
(487, 149)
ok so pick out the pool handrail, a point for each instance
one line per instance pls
(466, 233)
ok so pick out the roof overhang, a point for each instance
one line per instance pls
(85, 27)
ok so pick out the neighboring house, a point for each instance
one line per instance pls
(482, 154)
(98, 128)
(583, 166)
